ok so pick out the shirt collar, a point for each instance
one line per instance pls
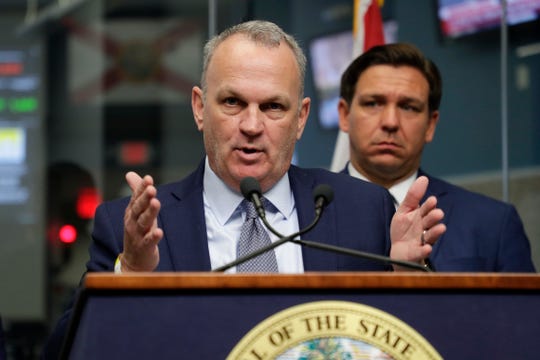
(224, 201)
(398, 190)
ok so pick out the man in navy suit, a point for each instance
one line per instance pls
(251, 111)
(389, 106)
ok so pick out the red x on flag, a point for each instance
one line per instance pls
(134, 60)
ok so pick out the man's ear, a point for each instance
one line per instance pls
(343, 112)
(432, 125)
(302, 117)
(197, 106)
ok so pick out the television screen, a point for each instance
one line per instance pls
(22, 192)
(463, 17)
(330, 54)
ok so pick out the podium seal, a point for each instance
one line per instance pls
(333, 330)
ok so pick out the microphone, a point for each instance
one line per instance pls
(322, 194)
(250, 188)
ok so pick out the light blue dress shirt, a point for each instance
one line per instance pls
(224, 220)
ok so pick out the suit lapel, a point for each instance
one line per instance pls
(302, 185)
(183, 222)
(186, 243)
(438, 189)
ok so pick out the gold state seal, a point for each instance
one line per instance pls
(332, 330)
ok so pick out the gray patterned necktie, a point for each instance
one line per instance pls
(253, 236)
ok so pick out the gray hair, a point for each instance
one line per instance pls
(261, 32)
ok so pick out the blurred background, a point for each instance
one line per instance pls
(90, 89)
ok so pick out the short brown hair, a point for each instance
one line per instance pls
(399, 54)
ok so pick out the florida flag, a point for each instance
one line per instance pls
(367, 32)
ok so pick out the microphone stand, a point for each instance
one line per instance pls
(320, 246)
(282, 240)
(251, 191)
(362, 254)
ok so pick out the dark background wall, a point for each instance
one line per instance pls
(468, 138)
(467, 144)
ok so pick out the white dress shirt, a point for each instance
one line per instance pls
(224, 221)
(398, 191)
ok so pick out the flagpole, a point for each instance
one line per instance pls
(365, 14)
(504, 99)
(212, 18)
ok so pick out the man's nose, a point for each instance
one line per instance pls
(252, 121)
(390, 118)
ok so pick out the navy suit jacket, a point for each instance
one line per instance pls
(482, 234)
(358, 218)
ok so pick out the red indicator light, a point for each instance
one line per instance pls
(87, 202)
(7, 69)
(134, 153)
(67, 234)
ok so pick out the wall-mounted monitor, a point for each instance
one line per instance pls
(330, 54)
(22, 243)
(465, 17)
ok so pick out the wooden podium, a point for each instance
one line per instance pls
(204, 315)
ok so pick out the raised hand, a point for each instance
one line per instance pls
(141, 233)
(415, 228)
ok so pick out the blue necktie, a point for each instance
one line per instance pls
(253, 236)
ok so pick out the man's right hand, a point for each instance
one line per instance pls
(141, 233)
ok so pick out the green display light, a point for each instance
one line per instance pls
(23, 105)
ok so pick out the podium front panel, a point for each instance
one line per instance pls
(207, 323)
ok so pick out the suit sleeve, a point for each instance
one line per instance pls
(107, 237)
(515, 249)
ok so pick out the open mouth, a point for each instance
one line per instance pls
(249, 153)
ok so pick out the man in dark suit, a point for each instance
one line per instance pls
(251, 111)
(389, 106)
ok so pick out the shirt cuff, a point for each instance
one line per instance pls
(117, 265)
